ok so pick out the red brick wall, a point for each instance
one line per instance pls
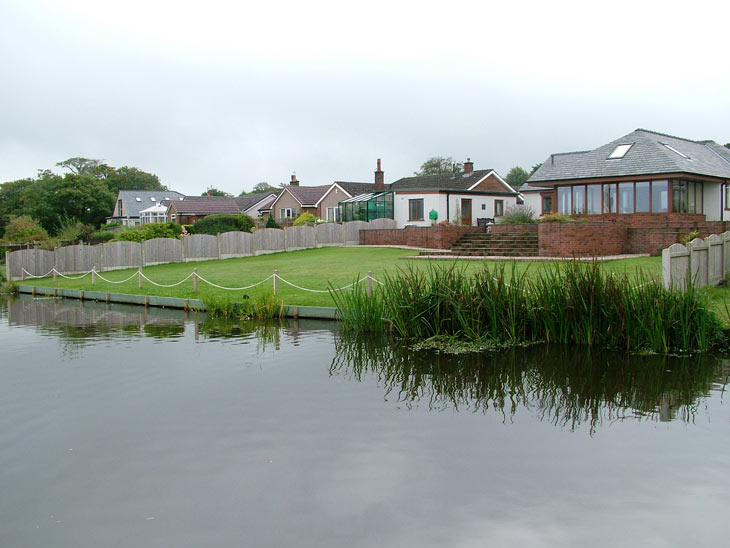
(433, 237)
(581, 239)
(522, 229)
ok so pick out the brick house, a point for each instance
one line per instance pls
(130, 203)
(192, 208)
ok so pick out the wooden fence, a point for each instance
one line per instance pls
(196, 247)
(703, 261)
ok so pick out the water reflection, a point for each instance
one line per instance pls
(560, 385)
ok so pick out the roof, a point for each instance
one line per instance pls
(650, 153)
(531, 188)
(250, 200)
(307, 196)
(136, 200)
(266, 204)
(448, 181)
(364, 197)
(354, 189)
(206, 205)
(157, 208)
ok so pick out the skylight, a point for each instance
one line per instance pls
(670, 147)
(138, 199)
(152, 198)
(620, 151)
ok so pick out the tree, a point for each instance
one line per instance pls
(211, 191)
(535, 168)
(84, 166)
(131, 178)
(23, 229)
(11, 200)
(437, 165)
(517, 176)
(259, 188)
(727, 145)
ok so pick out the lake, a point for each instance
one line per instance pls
(125, 427)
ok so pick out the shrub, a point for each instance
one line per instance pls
(149, 231)
(518, 215)
(111, 224)
(24, 229)
(305, 218)
(102, 236)
(219, 223)
(689, 237)
(556, 218)
(271, 223)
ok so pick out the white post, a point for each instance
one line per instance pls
(195, 280)
(139, 275)
(276, 281)
(370, 283)
(93, 275)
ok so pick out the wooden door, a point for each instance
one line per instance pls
(466, 211)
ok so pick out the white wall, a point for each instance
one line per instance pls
(438, 202)
(711, 202)
(533, 200)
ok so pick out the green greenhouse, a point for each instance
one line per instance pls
(366, 207)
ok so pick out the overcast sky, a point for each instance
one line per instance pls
(228, 94)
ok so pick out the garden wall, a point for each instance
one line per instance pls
(431, 237)
(196, 247)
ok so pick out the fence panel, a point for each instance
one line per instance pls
(76, 258)
(162, 251)
(698, 260)
(299, 237)
(118, 255)
(675, 266)
(268, 240)
(725, 236)
(382, 223)
(200, 247)
(714, 259)
(36, 262)
(235, 244)
(352, 231)
(327, 234)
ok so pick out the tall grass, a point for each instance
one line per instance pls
(357, 310)
(573, 303)
(260, 307)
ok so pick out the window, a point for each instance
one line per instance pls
(547, 204)
(643, 196)
(415, 209)
(564, 201)
(670, 147)
(152, 199)
(286, 213)
(593, 199)
(659, 197)
(484, 206)
(610, 200)
(579, 199)
(626, 197)
(333, 214)
(498, 208)
(620, 151)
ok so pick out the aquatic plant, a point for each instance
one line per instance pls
(357, 310)
(261, 307)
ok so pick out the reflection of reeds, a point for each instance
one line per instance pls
(573, 303)
(261, 307)
(564, 387)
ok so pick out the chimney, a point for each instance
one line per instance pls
(294, 181)
(379, 179)
(468, 166)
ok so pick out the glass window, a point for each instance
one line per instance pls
(626, 197)
(700, 188)
(498, 208)
(620, 151)
(547, 204)
(659, 197)
(564, 200)
(670, 147)
(609, 198)
(593, 199)
(415, 209)
(679, 197)
(579, 199)
(691, 203)
(642, 197)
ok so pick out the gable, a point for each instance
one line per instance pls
(493, 183)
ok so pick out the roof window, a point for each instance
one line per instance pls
(620, 151)
(670, 147)
(152, 198)
(138, 199)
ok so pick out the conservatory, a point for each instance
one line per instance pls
(366, 207)
(155, 214)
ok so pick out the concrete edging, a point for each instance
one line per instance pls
(287, 311)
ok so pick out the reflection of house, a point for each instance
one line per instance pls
(131, 202)
(643, 172)
(460, 198)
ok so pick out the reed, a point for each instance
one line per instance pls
(261, 307)
(357, 311)
(573, 303)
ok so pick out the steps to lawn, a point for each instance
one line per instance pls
(482, 244)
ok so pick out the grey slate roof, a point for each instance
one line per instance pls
(354, 189)
(132, 206)
(244, 202)
(444, 181)
(648, 155)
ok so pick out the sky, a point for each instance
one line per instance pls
(229, 94)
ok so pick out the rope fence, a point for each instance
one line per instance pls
(198, 278)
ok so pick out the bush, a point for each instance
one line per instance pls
(148, 232)
(518, 215)
(24, 229)
(271, 223)
(219, 223)
(111, 224)
(72, 230)
(305, 218)
(102, 236)
(556, 218)
(689, 237)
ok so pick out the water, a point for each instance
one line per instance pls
(125, 428)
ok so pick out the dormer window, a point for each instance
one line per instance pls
(620, 151)
(670, 147)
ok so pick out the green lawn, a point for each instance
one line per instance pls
(312, 269)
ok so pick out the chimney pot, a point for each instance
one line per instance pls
(379, 179)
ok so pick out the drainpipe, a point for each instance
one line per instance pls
(447, 206)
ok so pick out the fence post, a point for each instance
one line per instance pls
(139, 275)
(93, 275)
(195, 280)
(370, 283)
(55, 273)
(276, 281)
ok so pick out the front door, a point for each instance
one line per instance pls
(466, 211)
